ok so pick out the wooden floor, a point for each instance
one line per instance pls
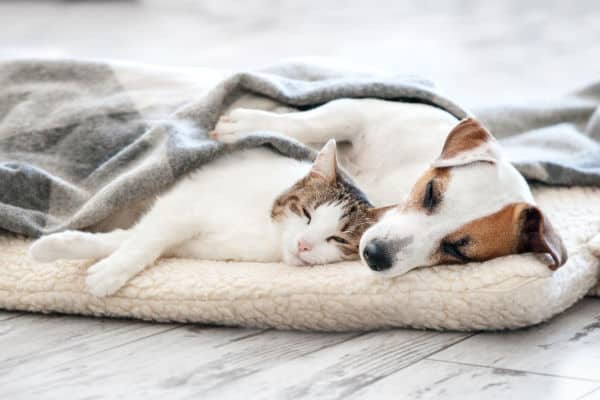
(74, 357)
(481, 52)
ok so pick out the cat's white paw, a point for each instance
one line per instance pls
(56, 246)
(239, 123)
(106, 277)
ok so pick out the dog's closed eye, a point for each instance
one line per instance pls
(455, 249)
(430, 199)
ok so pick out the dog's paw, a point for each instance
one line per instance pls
(56, 246)
(240, 123)
(106, 277)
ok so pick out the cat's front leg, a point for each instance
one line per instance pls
(110, 274)
(339, 119)
(153, 236)
(107, 276)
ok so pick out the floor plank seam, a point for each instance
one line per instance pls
(241, 338)
(12, 317)
(517, 371)
(468, 336)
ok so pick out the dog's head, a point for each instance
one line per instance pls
(471, 205)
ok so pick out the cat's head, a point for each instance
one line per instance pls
(323, 216)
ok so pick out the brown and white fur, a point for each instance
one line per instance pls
(471, 204)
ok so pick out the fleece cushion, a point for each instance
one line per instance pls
(508, 292)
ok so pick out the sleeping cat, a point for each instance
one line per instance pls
(252, 205)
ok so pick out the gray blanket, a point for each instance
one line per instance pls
(79, 140)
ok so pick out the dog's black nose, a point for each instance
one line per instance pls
(377, 256)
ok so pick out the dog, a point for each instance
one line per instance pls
(470, 204)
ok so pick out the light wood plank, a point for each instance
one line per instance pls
(441, 380)
(179, 363)
(33, 343)
(339, 370)
(567, 346)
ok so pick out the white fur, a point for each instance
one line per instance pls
(325, 220)
(220, 212)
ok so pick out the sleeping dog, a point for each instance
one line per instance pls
(470, 204)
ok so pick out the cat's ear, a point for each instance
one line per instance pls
(377, 213)
(325, 164)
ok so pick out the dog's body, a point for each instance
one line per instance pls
(470, 204)
(384, 145)
(388, 144)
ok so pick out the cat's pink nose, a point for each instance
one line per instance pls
(303, 245)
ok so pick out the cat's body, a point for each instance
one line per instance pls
(231, 201)
(250, 205)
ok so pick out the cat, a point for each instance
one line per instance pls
(251, 205)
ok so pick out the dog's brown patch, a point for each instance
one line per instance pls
(435, 181)
(485, 238)
(516, 228)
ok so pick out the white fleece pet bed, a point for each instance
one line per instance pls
(510, 292)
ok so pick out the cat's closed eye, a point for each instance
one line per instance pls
(307, 215)
(337, 239)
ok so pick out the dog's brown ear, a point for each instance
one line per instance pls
(468, 142)
(538, 236)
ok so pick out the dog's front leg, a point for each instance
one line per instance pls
(341, 119)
